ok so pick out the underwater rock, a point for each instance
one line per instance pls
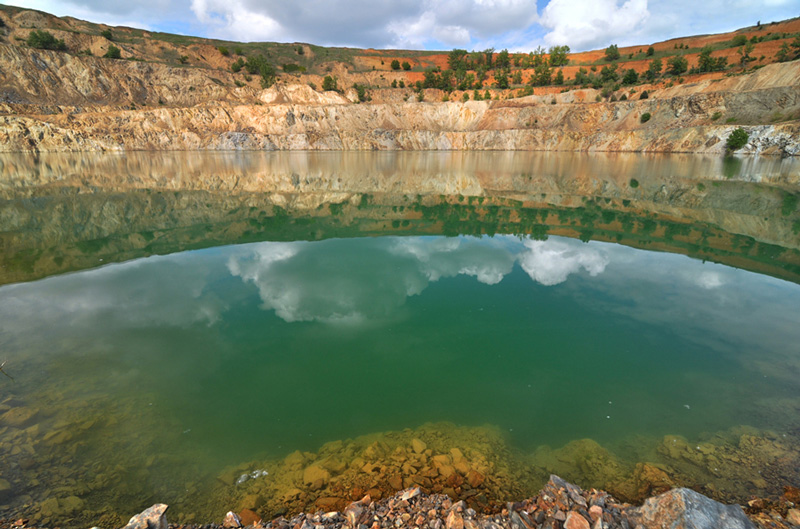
(151, 518)
(687, 509)
(793, 516)
(314, 474)
(249, 517)
(5, 488)
(19, 416)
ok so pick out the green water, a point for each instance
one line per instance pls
(149, 377)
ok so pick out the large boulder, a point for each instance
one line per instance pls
(686, 509)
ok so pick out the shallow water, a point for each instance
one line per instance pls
(147, 379)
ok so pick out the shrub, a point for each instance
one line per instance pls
(395, 64)
(644, 95)
(259, 65)
(238, 51)
(106, 33)
(293, 68)
(361, 92)
(224, 51)
(112, 53)
(650, 51)
(634, 183)
(716, 116)
(677, 65)
(329, 84)
(394, 83)
(623, 97)
(44, 40)
(237, 65)
(645, 117)
(739, 40)
(465, 97)
(401, 84)
(737, 139)
(406, 66)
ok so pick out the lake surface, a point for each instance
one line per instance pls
(281, 331)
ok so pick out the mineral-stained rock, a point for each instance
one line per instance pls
(249, 517)
(151, 518)
(793, 516)
(686, 509)
(575, 521)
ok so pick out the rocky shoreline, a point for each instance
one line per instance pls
(558, 505)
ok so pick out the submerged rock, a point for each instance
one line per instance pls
(151, 518)
(686, 509)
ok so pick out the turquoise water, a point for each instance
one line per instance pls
(156, 373)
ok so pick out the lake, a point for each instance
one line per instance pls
(288, 331)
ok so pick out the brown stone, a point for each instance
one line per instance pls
(249, 517)
(791, 494)
(475, 479)
(560, 516)
(595, 511)
(418, 446)
(576, 521)
(396, 482)
(462, 467)
(793, 516)
(685, 508)
(329, 503)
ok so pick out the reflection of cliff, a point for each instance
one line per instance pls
(54, 229)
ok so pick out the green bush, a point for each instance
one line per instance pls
(183, 59)
(716, 116)
(237, 65)
(644, 95)
(645, 117)
(107, 34)
(238, 51)
(292, 68)
(406, 66)
(737, 139)
(44, 40)
(329, 84)
(395, 64)
(224, 51)
(634, 183)
(112, 53)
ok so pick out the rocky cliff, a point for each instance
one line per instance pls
(60, 102)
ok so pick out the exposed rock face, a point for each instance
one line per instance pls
(187, 109)
(687, 509)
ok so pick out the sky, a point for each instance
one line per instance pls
(516, 25)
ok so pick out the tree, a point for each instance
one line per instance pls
(783, 53)
(488, 54)
(517, 77)
(503, 60)
(112, 52)
(650, 51)
(737, 139)
(44, 40)
(329, 84)
(501, 79)
(609, 73)
(739, 40)
(677, 65)
(542, 74)
(630, 77)
(394, 83)
(745, 52)
(558, 56)
(361, 92)
(406, 66)
(455, 59)
(654, 69)
(559, 80)
(395, 64)
(612, 53)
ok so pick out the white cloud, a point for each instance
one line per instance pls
(550, 262)
(586, 24)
